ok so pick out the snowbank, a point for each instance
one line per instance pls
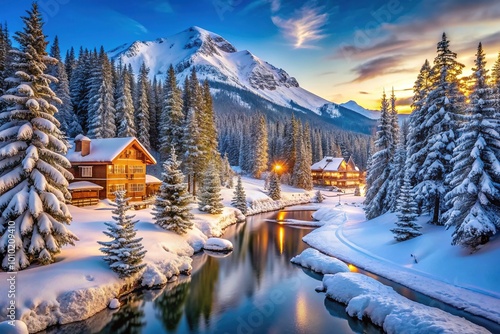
(312, 259)
(366, 297)
(218, 245)
(447, 273)
(80, 283)
(13, 327)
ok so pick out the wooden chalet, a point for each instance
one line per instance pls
(331, 171)
(102, 166)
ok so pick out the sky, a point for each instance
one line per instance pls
(340, 50)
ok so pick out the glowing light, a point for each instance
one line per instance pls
(281, 238)
(277, 168)
(352, 268)
(281, 216)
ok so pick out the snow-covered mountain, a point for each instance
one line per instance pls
(218, 60)
(353, 105)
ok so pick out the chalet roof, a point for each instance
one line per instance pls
(105, 150)
(150, 179)
(329, 164)
(84, 185)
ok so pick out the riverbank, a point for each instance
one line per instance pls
(428, 264)
(80, 283)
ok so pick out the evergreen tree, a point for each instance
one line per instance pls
(210, 199)
(155, 106)
(102, 102)
(79, 87)
(301, 177)
(171, 123)
(407, 213)
(260, 148)
(125, 105)
(394, 123)
(191, 149)
(171, 209)
(318, 197)
(209, 131)
(274, 186)
(70, 63)
(226, 173)
(417, 131)
(142, 109)
(33, 175)
(5, 55)
(290, 144)
(443, 106)
(125, 252)
(380, 168)
(65, 115)
(397, 172)
(239, 200)
(474, 200)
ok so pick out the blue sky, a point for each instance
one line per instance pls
(340, 50)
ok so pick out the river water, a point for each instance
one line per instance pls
(254, 289)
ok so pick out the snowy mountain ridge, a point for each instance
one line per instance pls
(215, 59)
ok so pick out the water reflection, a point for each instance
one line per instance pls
(253, 290)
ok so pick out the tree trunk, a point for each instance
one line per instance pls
(189, 183)
(435, 218)
(194, 184)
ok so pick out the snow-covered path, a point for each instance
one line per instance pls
(369, 245)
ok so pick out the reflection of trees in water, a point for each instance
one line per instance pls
(170, 305)
(200, 299)
(130, 316)
(358, 326)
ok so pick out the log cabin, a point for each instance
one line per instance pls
(331, 171)
(102, 166)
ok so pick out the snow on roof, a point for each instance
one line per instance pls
(103, 150)
(82, 138)
(84, 185)
(328, 164)
(152, 179)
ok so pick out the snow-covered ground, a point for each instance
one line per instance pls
(80, 283)
(428, 263)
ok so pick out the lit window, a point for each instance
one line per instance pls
(116, 187)
(86, 171)
(119, 169)
(136, 169)
(136, 187)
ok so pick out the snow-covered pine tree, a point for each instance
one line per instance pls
(5, 55)
(417, 131)
(79, 87)
(155, 106)
(394, 123)
(474, 199)
(210, 199)
(191, 149)
(301, 177)
(125, 105)
(318, 197)
(172, 119)
(397, 173)
(70, 63)
(142, 108)
(65, 115)
(274, 186)
(209, 130)
(124, 252)
(443, 106)
(406, 228)
(380, 168)
(33, 175)
(290, 144)
(102, 122)
(227, 173)
(239, 200)
(171, 209)
(260, 147)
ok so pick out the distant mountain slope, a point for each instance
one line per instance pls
(218, 61)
